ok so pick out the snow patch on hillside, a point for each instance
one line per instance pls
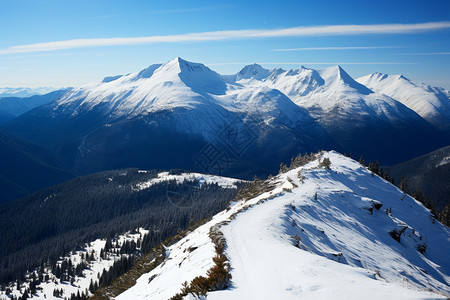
(444, 161)
(224, 182)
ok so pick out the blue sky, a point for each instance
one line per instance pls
(70, 43)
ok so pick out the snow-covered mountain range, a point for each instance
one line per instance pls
(431, 103)
(316, 233)
(185, 105)
(179, 83)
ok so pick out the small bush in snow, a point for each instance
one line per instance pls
(297, 239)
(218, 276)
(326, 163)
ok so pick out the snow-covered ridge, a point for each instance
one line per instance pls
(224, 182)
(340, 233)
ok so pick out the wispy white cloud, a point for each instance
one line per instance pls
(331, 48)
(232, 34)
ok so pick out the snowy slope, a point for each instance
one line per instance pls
(431, 103)
(317, 234)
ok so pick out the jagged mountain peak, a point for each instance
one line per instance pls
(337, 75)
(148, 72)
(378, 75)
(108, 79)
(382, 76)
(178, 64)
(253, 71)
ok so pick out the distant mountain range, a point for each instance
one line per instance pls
(184, 115)
(26, 167)
(11, 107)
(22, 92)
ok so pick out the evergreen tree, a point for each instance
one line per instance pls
(404, 185)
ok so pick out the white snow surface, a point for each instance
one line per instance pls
(431, 103)
(224, 182)
(342, 247)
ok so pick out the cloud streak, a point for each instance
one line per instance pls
(331, 48)
(231, 35)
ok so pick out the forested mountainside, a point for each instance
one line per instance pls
(27, 167)
(51, 222)
(429, 174)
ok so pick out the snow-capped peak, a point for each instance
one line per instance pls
(253, 71)
(376, 76)
(180, 65)
(111, 78)
(336, 75)
(148, 72)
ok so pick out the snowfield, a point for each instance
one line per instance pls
(342, 233)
